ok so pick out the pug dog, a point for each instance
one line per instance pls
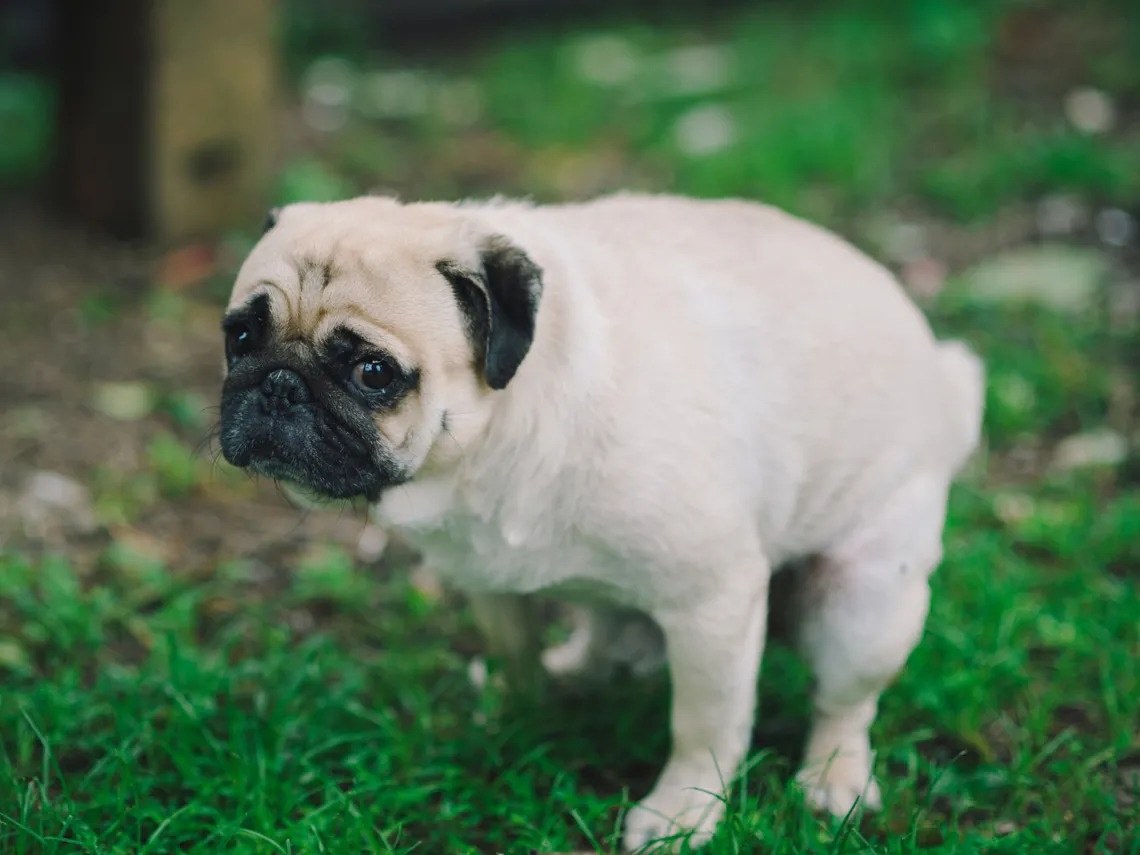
(645, 405)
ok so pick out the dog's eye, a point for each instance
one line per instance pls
(239, 340)
(375, 375)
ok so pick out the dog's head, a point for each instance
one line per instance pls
(365, 340)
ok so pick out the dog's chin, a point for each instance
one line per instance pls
(313, 486)
(303, 496)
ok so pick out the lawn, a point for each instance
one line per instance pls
(202, 669)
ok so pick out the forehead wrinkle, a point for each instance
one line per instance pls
(308, 296)
(359, 323)
(315, 272)
(276, 296)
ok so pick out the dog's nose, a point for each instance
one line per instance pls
(284, 389)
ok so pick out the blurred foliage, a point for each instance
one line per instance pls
(27, 120)
(310, 181)
(824, 108)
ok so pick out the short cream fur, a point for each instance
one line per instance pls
(714, 389)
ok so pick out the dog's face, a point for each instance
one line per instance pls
(365, 341)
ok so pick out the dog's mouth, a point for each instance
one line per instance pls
(304, 447)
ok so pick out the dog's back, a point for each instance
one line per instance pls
(804, 355)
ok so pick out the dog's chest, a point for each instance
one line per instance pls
(517, 553)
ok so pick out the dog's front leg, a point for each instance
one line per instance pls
(714, 651)
(511, 632)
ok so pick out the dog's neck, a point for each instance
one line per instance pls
(515, 469)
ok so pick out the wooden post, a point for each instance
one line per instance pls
(166, 114)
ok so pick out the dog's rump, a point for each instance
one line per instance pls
(966, 379)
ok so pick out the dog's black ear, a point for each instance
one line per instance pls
(500, 304)
(270, 219)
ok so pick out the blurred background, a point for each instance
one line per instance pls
(987, 151)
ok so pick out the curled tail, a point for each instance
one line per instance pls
(966, 381)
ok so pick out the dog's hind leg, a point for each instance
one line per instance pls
(862, 610)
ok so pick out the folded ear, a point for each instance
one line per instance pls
(499, 303)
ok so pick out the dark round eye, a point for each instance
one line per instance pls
(375, 375)
(239, 340)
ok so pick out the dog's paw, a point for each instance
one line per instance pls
(668, 815)
(838, 784)
(636, 648)
(571, 662)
